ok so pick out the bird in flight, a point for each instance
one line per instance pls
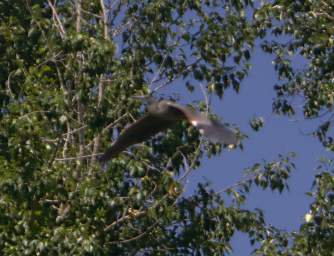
(162, 115)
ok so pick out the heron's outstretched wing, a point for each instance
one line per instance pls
(162, 116)
(217, 132)
(212, 130)
(139, 131)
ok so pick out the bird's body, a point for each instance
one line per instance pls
(162, 115)
(167, 110)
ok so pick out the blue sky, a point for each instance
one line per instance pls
(280, 135)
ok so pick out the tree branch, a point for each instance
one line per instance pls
(56, 18)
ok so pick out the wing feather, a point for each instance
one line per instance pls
(217, 132)
(212, 130)
(139, 131)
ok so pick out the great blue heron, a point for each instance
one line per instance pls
(162, 115)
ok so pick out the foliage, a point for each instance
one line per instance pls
(304, 30)
(315, 236)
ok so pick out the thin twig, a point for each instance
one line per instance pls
(34, 112)
(237, 184)
(58, 23)
(77, 158)
(92, 14)
(206, 98)
(105, 19)
(67, 139)
(137, 236)
(158, 72)
(78, 6)
(81, 133)
(55, 152)
(138, 213)
(189, 67)
(8, 84)
(124, 218)
(192, 163)
(75, 130)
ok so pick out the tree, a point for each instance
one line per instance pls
(305, 29)
(68, 70)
